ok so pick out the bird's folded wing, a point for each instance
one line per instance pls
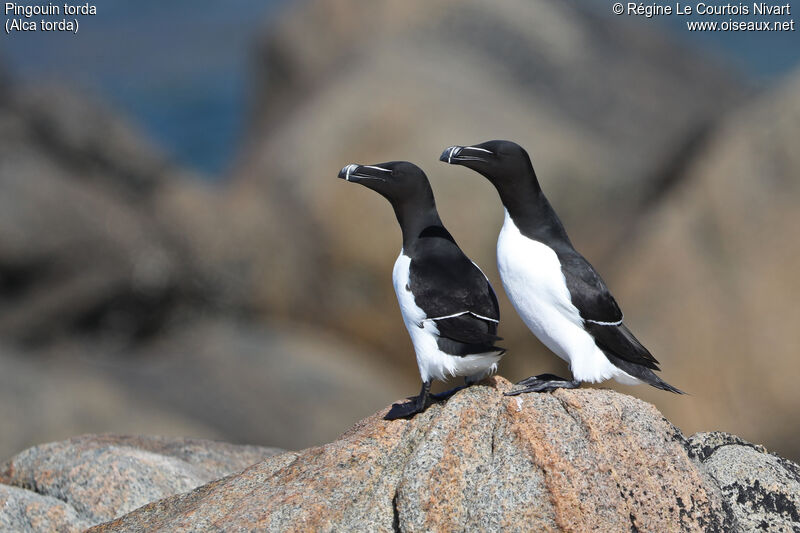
(589, 293)
(620, 342)
(468, 328)
(447, 284)
(601, 315)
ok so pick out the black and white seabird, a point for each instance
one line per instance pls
(447, 303)
(556, 292)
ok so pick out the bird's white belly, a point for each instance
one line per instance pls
(533, 280)
(432, 362)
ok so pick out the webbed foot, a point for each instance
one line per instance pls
(417, 404)
(542, 383)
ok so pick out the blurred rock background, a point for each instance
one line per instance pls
(173, 264)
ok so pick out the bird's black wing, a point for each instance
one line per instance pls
(467, 328)
(600, 312)
(620, 342)
(455, 294)
(588, 291)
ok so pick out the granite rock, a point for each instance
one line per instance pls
(573, 460)
(24, 510)
(91, 479)
(762, 489)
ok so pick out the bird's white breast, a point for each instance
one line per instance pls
(413, 315)
(533, 280)
(432, 362)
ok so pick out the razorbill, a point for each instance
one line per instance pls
(556, 292)
(447, 303)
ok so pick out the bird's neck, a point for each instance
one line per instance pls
(530, 210)
(414, 217)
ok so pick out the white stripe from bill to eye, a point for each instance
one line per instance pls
(464, 313)
(599, 323)
(476, 148)
(377, 168)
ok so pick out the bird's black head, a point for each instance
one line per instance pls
(399, 182)
(504, 163)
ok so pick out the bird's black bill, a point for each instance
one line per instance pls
(346, 171)
(358, 173)
(449, 152)
(460, 154)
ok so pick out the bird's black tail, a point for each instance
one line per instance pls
(625, 352)
(659, 383)
(643, 373)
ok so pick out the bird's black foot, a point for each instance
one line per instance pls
(542, 383)
(408, 409)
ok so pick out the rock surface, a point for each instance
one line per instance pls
(573, 460)
(577, 460)
(763, 489)
(69, 485)
(23, 511)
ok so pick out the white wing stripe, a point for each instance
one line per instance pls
(484, 317)
(464, 313)
(448, 316)
(599, 323)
